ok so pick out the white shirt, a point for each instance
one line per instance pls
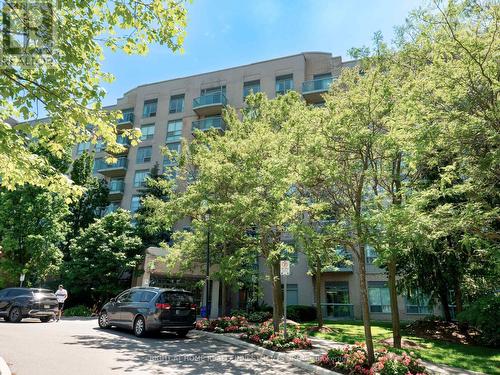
(61, 295)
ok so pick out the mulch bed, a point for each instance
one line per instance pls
(446, 331)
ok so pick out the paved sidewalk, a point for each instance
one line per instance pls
(304, 358)
(4, 369)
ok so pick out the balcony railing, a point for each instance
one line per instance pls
(209, 123)
(120, 163)
(128, 118)
(116, 186)
(316, 85)
(214, 99)
(338, 310)
(122, 140)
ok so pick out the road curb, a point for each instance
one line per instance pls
(281, 356)
(4, 369)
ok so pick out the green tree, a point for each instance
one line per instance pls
(103, 258)
(245, 178)
(94, 199)
(32, 229)
(69, 87)
(157, 187)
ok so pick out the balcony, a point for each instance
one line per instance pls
(116, 189)
(125, 142)
(118, 169)
(209, 104)
(127, 122)
(313, 90)
(337, 311)
(209, 123)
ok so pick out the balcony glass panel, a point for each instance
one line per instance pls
(128, 116)
(209, 123)
(322, 84)
(116, 186)
(216, 98)
(120, 163)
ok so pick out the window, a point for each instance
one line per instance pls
(147, 296)
(144, 154)
(82, 147)
(321, 76)
(371, 254)
(214, 90)
(140, 177)
(176, 104)
(147, 131)
(100, 146)
(417, 303)
(292, 294)
(174, 130)
(135, 203)
(98, 164)
(150, 108)
(175, 148)
(337, 292)
(378, 295)
(284, 84)
(251, 87)
(128, 115)
(125, 297)
(116, 184)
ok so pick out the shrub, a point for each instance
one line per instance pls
(254, 316)
(354, 360)
(484, 315)
(301, 313)
(79, 310)
(226, 324)
(265, 336)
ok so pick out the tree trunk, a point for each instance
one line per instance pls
(277, 294)
(223, 298)
(443, 298)
(458, 297)
(317, 295)
(365, 305)
(396, 331)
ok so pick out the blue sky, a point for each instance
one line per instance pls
(226, 33)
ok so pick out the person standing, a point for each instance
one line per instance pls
(61, 295)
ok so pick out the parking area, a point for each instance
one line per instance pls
(79, 347)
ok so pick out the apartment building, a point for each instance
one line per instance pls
(170, 110)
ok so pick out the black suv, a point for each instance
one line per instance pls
(19, 303)
(148, 309)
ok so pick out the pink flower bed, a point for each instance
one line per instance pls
(354, 360)
(226, 324)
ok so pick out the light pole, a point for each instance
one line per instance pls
(207, 289)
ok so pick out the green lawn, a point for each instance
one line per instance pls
(486, 360)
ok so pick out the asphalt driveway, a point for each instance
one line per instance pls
(79, 347)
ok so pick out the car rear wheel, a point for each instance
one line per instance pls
(182, 333)
(103, 320)
(6, 318)
(15, 315)
(45, 319)
(139, 327)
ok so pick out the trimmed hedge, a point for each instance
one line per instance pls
(301, 313)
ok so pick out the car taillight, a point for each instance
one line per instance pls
(193, 306)
(163, 306)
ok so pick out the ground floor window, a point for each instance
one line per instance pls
(378, 296)
(292, 294)
(337, 299)
(417, 303)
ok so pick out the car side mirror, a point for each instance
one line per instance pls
(112, 299)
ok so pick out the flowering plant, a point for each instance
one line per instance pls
(353, 359)
(265, 336)
(224, 324)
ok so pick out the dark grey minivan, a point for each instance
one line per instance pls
(149, 309)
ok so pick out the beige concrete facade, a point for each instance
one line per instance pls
(310, 73)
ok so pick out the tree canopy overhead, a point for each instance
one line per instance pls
(68, 86)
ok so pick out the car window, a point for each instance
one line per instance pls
(135, 296)
(147, 296)
(124, 297)
(18, 292)
(176, 298)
